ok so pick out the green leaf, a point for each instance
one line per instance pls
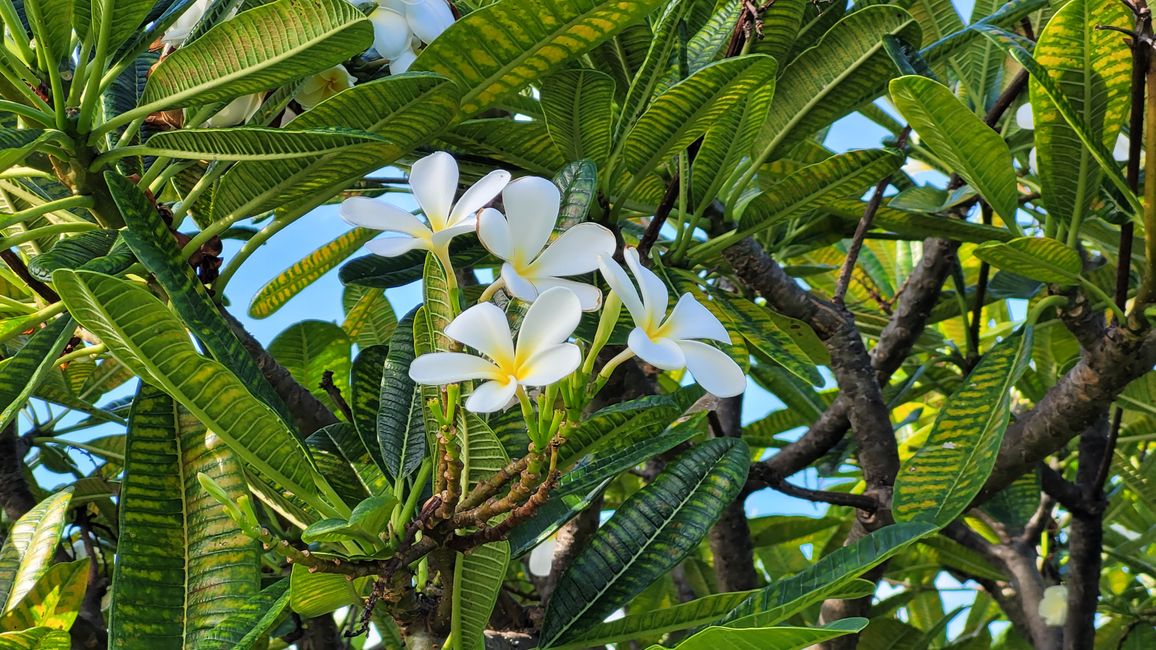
(1038, 258)
(20, 375)
(515, 143)
(342, 443)
(183, 565)
(954, 133)
(308, 349)
(683, 113)
(54, 600)
(516, 41)
(632, 420)
(769, 638)
(847, 68)
(832, 573)
(72, 253)
(578, 183)
(369, 318)
(917, 225)
(764, 333)
(37, 638)
(1093, 72)
(365, 396)
(249, 626)
(316, 594)
(577, 104)
(401, 434)
(52, 25)
(251, 143)
(257, 50)
(649, 533)
(17, 144)
(306, 271)
(29, 547)
(388, 272)
(938, 483)
(150, 238)
(659, 61)
(147, 338)
(726, 142)
(404, 110)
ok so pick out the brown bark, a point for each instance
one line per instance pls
(730, 538)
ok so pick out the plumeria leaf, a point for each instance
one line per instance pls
(577, 104)
(306, 271)
(27, 551)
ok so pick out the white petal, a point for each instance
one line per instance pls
(1033, 162)
(373, 214)
(441, 238)
(517, 285)
(439, 368)
(588, 295)
(548, 322)
(576, 251)
(550, 365)
(492, 396)
(542, 558)
(1053, 607)
(690, 319)
(494, 233)
(428, 18)
(654, 295)
(484, 328)
(390, 32)
(661, 353)
(479, 194)
(235, 112)
(434, 181)
(400, 63)
(713, 369)
(1120, 149)
(394, 246)
(1024, 118)
(531, 209)
(620, 284)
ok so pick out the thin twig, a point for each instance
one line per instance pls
(1109, 451)
(334, 393)
(661, 213)
(861, 501)
(17, 265)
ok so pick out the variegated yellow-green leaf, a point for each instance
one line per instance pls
(768, 638)
(1093, 72)
(252, 143)
(953, 132)
(514, 143)
(307, 270)
(1038, 258)
(28, 549)
(316, 594)
(54, 601)
(577, 104)
(37, 638)
(659, 69)
(515, 41)
(248, 626)
(399, 420)
(938, 483)
(183, 565)
(369, 318)
(725, 143)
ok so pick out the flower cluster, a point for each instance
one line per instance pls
(539, 271)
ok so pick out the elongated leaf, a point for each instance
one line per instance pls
(651, 532)
(52, 25)
(1093, 72)
(369, 318)
(257, 50)
(183, 565)
(727, 141)
(251, 143)
(769, 638)
(148, 339)
(683, 113)
(28, 549)
(388, 272)
(699, 611)
(939, 482)
(577, 104)
(37, 638)
(517, 41)
(154, 245)
(917, 225)
(72, 253)
(578, 183)
(125, 19)
(764, 333)
(400, 421)
(20, 375)
(517, 144)
(316, 594)
(404, 110)
(847, 68)
(953, 132)
(342, 441)
(54, 600)
(308, 349)
(365, 396)
(632, 420)
(249, 626)
(1038, 258)
(306, 271)
(660, 62)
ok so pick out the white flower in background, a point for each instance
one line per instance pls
(541, 356)
(434, 182)
(324, 85)
(541, 558)
(1120, 151)
(399, 26)
(235, 112)
(1054, 606)
(519, 237)
(669, 342)
(1024, 117)
(177, 32)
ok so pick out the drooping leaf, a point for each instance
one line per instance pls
(632, 420)
(659, 68)
(651, 532)
(147, 338)
(72, 253)
(251, 143)
(577, 104)
(249, 625)
(27, 551)
(519, 40)
(1038, 258)
(764, 333)
(938, 483)
(316, 594)
(52, 26)
(726, 142)
(365, 396)
(769, 638)
(968, 146)
(36, 638)
(21, 374)
(306, 271)
(516, 144)
(183, 565)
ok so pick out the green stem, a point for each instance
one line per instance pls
(23, 88)
(10, 304)
(1038, 309)
(1100, 295)
(214, 171)
(414, 496)
(66, 203)
(46, 231)
(23, 110)
(16, 29)
(248, 248)
(87, 351)
(528, 416)
(130, 131)
(154, 171)
(91, 96)
(59, 99)
(81, 73)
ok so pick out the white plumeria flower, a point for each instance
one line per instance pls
(1024, 117)
(177, 32)
(541, 356)
(434, 182)
(235, 112)
(519, 237)
(324, 85)
(669, 342)
(1053, 606)
(399, 26)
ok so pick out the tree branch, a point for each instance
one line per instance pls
(730, 538)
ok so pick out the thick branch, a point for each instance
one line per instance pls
(15, 496)
(730, 539)
(1086, 541)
